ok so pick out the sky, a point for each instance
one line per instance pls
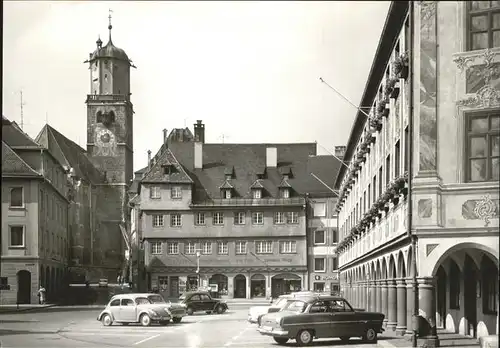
(249, 70)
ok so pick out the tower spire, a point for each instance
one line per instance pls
(110, 26)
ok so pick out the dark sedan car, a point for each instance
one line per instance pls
(321, 317)
(198, 301)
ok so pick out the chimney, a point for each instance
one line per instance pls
(199, 131)
(165, 136)
(149, 159)
(340, 151)
(198, 155)
(271, 157)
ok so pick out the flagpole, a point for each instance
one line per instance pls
(360, 108)
(321, 181)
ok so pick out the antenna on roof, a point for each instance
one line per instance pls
(223, 137)
(22, 111)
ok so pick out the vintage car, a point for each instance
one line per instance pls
(134, 308)
(177, 310)
(197, 301)
(256, 312)
(321, 317)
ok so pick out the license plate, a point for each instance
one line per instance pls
(267, 328)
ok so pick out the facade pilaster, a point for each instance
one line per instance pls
(361, 295)
(401, 306)
(383, 301)
(427, 309)
(392, 305)
(410, 304)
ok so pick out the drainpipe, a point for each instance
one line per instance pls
(91, 227)
(410, 179)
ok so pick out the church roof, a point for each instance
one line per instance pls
(69, 154)
(110, 51)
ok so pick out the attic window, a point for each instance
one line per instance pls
(226, 194)
(256, 193)
(228, 176)
(285, 192)
(260, 175)
(286, 176)
(168, 169)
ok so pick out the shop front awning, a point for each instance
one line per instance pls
(287, 277)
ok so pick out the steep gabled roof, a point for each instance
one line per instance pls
(248, 161)
(257, 184)
(13, 165)
(69, 154)
(226, 185)
(14, 136)
(157, 174)
(326, 168)
(284, 183)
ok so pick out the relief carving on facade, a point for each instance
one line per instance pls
(481, 209)
(482, 80)
(429, 248)
(427, 9)
(425, 208)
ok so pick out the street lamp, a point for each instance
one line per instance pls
(198, 254)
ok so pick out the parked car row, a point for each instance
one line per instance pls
(149, 308)
(306, 316)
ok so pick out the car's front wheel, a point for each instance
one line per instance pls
(106, 320)
(370, 335)
(304, 337)
(281, 340)
(176, 320)
(220, 310)
(145, 320)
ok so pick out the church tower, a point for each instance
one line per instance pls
(110, 149)
(110, 112)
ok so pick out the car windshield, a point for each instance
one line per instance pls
(142, 300)
(295, 306)
(156, 299)
(280, 302)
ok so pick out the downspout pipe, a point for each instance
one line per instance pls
(410, 176)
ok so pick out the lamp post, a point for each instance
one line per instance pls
(198, 254)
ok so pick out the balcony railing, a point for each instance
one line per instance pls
(107, 97)
(245, 202)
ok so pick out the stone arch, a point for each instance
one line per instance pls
(378, 270)
(240, 286)
(409, 259)
(400, 265)
(384, 268)
(392, 273)
(438, 255)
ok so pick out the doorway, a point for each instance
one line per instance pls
(258, 286)
(174, 287)
(240, 286)
(23, 287)
(470, 295)
(441, 297)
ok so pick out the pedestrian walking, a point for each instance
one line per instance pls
(41, 295)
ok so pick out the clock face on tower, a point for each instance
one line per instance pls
(105, 142)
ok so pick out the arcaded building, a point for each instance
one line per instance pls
(433, 134)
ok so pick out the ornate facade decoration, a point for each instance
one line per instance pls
(485, 209)
(487, 96)
(427, 9)
(429, 248)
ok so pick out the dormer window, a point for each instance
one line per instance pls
(168, 169)
(285, 192)
(226, 189)
(256, 193)
(227, 194)
(286, 176)
(228, 177)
